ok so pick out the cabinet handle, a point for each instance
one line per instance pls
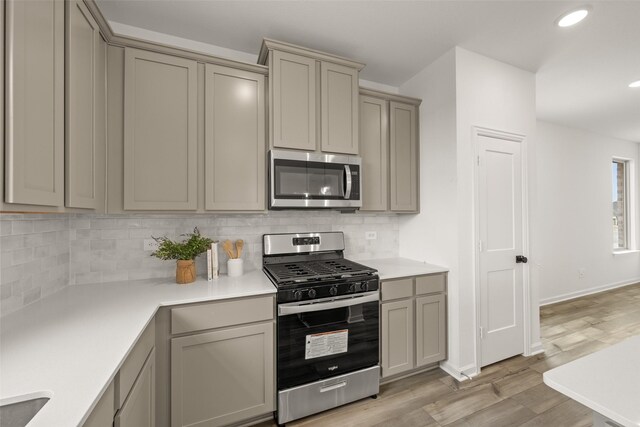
(333, 387)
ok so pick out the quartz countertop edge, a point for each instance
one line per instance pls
(70, 345)
(398, 268)
(605, 381)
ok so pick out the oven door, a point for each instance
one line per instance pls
(327, 337)
(311, 180)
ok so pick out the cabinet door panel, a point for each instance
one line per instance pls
(35, 102)
(403, 158)
(102, 414)
(85, 98)
(234, 139)
(374, 150)
(139, 408)
(397, 337)
(339, 99)
(430, 329)
(222, 377)
(294, 101)
(160, 132)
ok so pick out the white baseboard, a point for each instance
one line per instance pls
(585, 292)
(535, 348)
(469, 371)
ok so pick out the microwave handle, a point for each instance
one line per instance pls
(347, 175)
(286, 309)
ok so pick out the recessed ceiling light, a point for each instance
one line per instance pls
(572, 18)
(635, 84)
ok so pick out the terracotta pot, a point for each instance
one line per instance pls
(185, 271)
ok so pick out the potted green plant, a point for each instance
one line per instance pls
(184, 252)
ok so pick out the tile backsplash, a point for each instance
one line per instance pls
(44, 253)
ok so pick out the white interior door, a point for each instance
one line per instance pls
(501, 240)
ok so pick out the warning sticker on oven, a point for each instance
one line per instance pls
(326, 344)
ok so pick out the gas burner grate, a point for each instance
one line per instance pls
(313, 270)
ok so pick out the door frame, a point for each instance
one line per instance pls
(478, 132)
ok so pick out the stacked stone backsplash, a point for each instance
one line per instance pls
(43, 253)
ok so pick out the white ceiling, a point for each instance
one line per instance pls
(582, 72)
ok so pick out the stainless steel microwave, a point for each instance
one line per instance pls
(314, 180)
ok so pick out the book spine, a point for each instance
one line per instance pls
(209, 271)
(214, 260)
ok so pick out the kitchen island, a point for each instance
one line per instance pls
(608, 382)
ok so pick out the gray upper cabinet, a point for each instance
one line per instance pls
(313, 98)
(234, 139)
(85, 85)
(374, 150)
(339, 100)
(404, 157)
(34, 114)
(160, 132)
(293, 101)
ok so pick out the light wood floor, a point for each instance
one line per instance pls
(508, 393)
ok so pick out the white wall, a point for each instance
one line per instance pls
(574, 183)
(459, 91)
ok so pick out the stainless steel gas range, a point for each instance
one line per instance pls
(328, 319)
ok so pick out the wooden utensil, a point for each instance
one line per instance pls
(239, 247)
(227, 246)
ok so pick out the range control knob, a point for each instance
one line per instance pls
(333, 291)
(312, 293)
(297, 295)
(365, 286)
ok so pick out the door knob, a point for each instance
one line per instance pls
(521, 258)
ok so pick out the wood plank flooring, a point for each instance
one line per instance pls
(508, 393)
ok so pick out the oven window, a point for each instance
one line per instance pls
(308, 180)
(322, 344)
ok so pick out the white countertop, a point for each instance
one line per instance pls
(396, 268)
(70, 345)
(607, 381)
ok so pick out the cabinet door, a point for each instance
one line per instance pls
(138, 409)
(430, 329)
(222, 377)
(234, 139)
(34, 102)
(102, 414)
(374, 150)
(293, 101)
(397, 340)
(85, 100)
(339, 87)
(404, 157)
(160, 132)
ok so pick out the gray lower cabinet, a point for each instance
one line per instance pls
(397, 341)
(102, 414)
(138, 409)
(413, 323)
(403, 157)
(85, 101)
(34, 104)
(235, 143)
(222, 377)
(160, 132)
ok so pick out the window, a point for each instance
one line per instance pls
(620, 204)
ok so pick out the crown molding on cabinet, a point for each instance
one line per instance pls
(269, 44)
(390, 96)
(126, 41)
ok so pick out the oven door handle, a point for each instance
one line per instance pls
(296, 308)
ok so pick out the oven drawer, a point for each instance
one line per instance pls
(220, 314)
(298, 402)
